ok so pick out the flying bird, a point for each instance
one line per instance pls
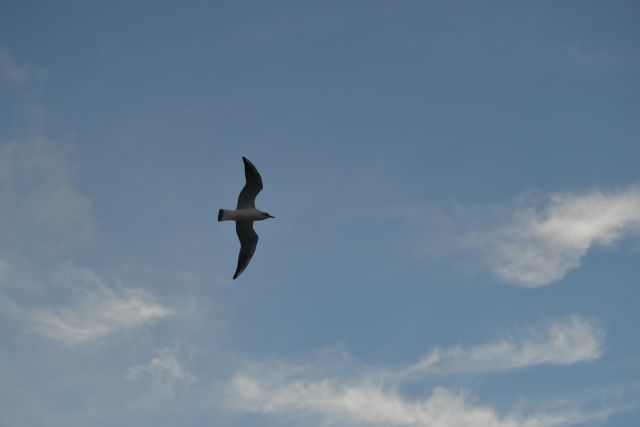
(244, 215)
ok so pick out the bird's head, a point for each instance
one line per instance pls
(267, 215)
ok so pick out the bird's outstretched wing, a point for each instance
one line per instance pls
(247, 197)
(248, 242)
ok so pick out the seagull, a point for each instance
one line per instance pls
(244, 215)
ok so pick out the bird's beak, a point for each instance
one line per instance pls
(271, 216)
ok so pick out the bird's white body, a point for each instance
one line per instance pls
(248, 214)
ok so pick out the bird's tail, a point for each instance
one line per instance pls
(224, 215)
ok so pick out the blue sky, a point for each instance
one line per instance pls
(457, 200)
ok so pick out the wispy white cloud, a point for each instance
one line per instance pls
(543, 242)
(561, 342)
(371, 396)
(45, 217)
(163, 372)
(533, 242)
(571, 340)
(369, 404)
(99, 314)
(96, 310)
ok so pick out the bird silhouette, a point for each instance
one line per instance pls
(245, 214)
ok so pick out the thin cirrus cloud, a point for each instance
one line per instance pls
(47, 219)
(363, 398)
(368, 404)
(543, 241)
(163, 372)
(74, 305)
(98, 314)
(564, 342)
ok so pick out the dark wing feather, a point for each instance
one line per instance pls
(248, 242)
(247, 197)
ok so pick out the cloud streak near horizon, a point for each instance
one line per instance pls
(370, 396)
(370, 404)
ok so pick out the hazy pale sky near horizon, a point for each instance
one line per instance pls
(457, 198)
